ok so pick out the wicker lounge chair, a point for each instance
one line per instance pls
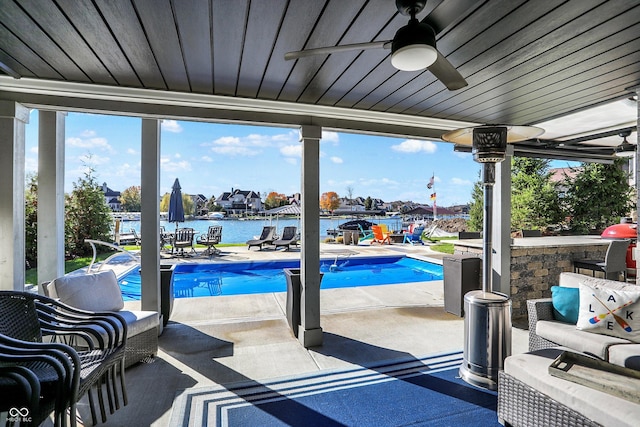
(288, 238)
(267, 237)
(101, 292)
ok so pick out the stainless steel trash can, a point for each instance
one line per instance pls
(487, 337)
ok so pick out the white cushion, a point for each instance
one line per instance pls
(139, 321)
(603, 408)
(627, 355)
(94, 292)
(567, 335)
(610, 309)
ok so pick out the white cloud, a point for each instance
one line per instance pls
(206, 159)
(460, 181)
(94, 159)
(34, 150)
(415, 146)
(235, 150)
(337, 160)
(378, 182)
(291, 150)
(328, 136)
(132, 151)
(171, 126)
(177, 155)
(167, 165)
(95, 143)
(87, 133)
(291, 160)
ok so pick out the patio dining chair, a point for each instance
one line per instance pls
(212, 238)
(614, 262)
(183, 238)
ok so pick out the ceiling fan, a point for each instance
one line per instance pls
(413, 48)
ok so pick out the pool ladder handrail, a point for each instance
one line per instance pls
(106, 261)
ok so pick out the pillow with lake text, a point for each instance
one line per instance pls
(608, 311)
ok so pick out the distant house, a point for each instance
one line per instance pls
(112, 198)
(200, 204)
(240, 201)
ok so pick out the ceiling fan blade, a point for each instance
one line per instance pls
(447, 74)
(334, 49)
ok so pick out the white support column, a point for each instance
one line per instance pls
(150, 214)
(502, 225)
(13, 117)
(310, 332)
(51, 134)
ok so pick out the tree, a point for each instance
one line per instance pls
(31, 221)
(598, 195)
(534, 199)
(87, 215)
(368, 203)
(164, 202)
(187, 203)
(476, 207)
(350, 195)
(330, 201)
(275, 200)
(130, 199)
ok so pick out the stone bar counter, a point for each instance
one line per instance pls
(536, 263)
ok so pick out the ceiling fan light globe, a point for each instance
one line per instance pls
(414, 57)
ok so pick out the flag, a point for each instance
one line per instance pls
(433, 196)
(430, 184)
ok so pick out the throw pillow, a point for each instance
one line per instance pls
(609, 311)
(566, 304)
(92, 292)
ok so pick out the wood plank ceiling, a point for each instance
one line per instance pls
(525, 61)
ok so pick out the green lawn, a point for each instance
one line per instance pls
(31, 275)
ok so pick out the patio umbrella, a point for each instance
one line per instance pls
(176, 210)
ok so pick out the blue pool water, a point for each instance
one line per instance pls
(196, 280)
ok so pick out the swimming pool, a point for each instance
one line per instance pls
(197, 280)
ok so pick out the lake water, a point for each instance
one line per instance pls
(239, 231)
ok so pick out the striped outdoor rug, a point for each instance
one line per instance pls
(416, 392)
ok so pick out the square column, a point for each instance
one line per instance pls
(150, 214)
(51, 134)
(13, 117)
(310, 332)
(502, 225)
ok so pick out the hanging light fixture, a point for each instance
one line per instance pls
(413, 47)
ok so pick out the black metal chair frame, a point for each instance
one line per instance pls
(212, 238)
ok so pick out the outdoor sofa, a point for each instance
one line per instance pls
(529, 395)
(100, 292)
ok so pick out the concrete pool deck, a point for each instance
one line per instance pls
(219, 340)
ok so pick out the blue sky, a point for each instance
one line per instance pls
(213, 158)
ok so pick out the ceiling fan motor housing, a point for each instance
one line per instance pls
(408, 37)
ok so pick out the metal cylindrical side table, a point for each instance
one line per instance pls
(487, 337)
